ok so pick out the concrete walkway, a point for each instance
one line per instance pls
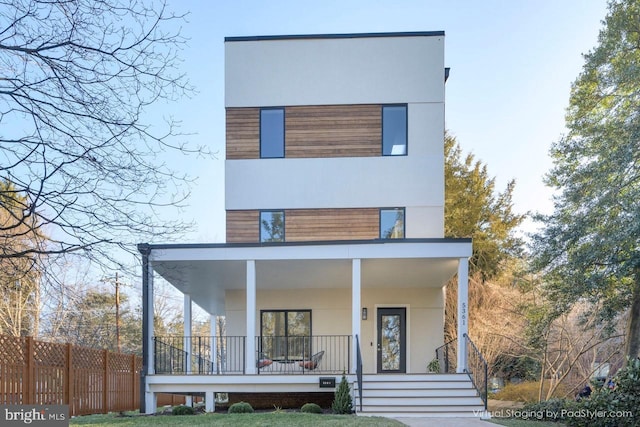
(444, 422)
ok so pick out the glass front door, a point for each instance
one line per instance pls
(391, 340)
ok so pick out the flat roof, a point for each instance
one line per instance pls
(335, 36)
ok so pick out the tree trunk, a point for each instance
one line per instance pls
(632, 349)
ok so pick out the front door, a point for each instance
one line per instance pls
(392, 340)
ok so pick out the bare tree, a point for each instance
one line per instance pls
(78, 140)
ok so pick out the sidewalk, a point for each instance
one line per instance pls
(444, 422)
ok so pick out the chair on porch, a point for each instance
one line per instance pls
(313, 362)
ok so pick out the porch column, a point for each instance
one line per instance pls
(463, 313)
(209, 401)
(188, 348)
(213, 327)
(355, 309)
(147, 398)
(250, 346)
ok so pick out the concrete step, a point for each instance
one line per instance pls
(418, 392)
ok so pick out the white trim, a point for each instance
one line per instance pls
(407, 326)
(250, 357)
(298, 252)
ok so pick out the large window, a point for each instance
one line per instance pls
(272, 226)
(394, 130)
(285, 334)
(392, 223)
(271, 132)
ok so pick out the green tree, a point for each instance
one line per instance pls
(473, 208)
(589, 248)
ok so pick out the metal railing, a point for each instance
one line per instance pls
(206, 355)
(477, 369)
(446, 357)
(359, 370)
(199, 355)
(303, 354)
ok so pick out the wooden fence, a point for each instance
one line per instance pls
(90, 381)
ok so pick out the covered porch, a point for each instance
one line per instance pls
(363, 299)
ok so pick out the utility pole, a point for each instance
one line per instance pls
(117, 312)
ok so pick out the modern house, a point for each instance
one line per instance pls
(335, 258)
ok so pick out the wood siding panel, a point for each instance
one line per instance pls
(331, 224)
(333, 131)
(243, 133)
(242, 226)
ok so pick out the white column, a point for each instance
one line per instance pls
(250, 357)
(150, 398)
(188, 348)
(214, 342)
(209, 401)
(463, 313)
(355, 308)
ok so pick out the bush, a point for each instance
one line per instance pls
(342, 402)
(311, 408)
(240, 408)
(525, 392)
(619, 407)
(548, 410)
(183, 410)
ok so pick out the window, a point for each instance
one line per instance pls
(394, 130)
(271, 132)
(272, 226)
(285, 334)
(392, 223)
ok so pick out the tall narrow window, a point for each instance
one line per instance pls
(394, 130)
(271, 132)
(272, 226)
(285, 334)
(392, 223)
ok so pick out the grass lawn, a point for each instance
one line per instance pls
(269, 419)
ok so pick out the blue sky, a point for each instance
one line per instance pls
(512, 65)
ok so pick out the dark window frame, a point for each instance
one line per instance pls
(284, 224)
(406, 130)
(284, 132)
(286, 329)
(404, 222)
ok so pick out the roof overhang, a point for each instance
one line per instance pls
(206, 271)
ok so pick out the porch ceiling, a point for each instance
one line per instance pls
(207, 279)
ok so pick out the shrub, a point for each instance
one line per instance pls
(183, 410)
(311, 408)
(240, 408)
(620, 406)
(548, 410)
(434, 367)
(342, 402)
(525, 392)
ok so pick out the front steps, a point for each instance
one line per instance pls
(418, 395)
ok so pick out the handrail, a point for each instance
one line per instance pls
(359, 370)
(477, 363)
(446, 358)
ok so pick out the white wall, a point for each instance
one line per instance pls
(345, 71)
(334, 71)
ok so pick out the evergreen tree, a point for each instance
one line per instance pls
(342, 403)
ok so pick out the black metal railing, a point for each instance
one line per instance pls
(303, 354)
(477, 369)
(359, 370)
(446, 357)
(199, 355)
